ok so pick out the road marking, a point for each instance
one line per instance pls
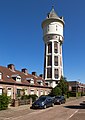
(72, 114)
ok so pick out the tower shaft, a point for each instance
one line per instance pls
(53, 39)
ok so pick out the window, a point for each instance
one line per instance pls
(49, 61)
(31, 81)
(9, 92)
(48, 28)
(49, 72)
(45, 92)
(37, 93)
(18, 92)
(18, 79)
(56, 60)
(41, 93)
(56, 73)
(50, 47)
(74, 89)
(40, 82)
(26, 92)
(31, 92)
(0, 75)
(56, 27)
(1, 91)
(55, 47)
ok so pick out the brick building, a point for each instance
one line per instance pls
(13, 82)
(76, 86)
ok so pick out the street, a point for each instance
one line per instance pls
(71, 110)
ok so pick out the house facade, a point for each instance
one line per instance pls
(75, 86)
(13, 82)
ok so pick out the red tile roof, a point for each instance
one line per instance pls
(8, 73)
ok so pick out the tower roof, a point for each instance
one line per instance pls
(52, 14)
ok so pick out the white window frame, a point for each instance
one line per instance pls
(1, 90)
(0, 75)
(32, 91)
(18, 79)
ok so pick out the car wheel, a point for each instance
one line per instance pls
(59, 103)
(45, 106)
(52, 104)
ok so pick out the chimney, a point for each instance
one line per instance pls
(25, 71)
(41, 75)
(34, 73)
(11, 67)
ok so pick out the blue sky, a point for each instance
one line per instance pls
(21, 38)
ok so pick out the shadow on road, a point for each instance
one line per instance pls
(75, 106)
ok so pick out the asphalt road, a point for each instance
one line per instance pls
(71, 110)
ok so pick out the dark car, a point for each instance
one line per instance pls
(43, 102)
(59, 100)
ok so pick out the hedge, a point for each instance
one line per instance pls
(24, 97)
(4, 101)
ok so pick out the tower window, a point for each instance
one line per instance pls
(49, 72)
(48, 28)
(56, 60)
(0, 75)
(49, 61)
(55, 47)
(50, 47)
(56, 73)
(56, 27)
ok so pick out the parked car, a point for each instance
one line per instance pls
(59, 100)
(43, 102)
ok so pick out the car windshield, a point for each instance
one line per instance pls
(58, 97)
(42, 98)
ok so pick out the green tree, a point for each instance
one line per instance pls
(56, 91)
(63, 85)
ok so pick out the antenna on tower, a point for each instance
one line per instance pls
(52, 4)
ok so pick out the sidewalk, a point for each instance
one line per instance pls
(70, 99)
(13, 112)
(22, 107)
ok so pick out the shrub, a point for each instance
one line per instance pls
(55, 91)
(68, 94)
(34, 97)
(24, 97)
(4, 101)
(83, 94)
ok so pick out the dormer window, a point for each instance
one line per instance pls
(31, 80)
(16, 77)
(40, 82)
(0, 75)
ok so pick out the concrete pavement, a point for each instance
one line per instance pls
(59, 112)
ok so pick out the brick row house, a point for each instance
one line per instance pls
(76, 86)
(13, 82)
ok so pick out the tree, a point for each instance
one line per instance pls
(63, 85)
(61, 88)
(56, 91)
